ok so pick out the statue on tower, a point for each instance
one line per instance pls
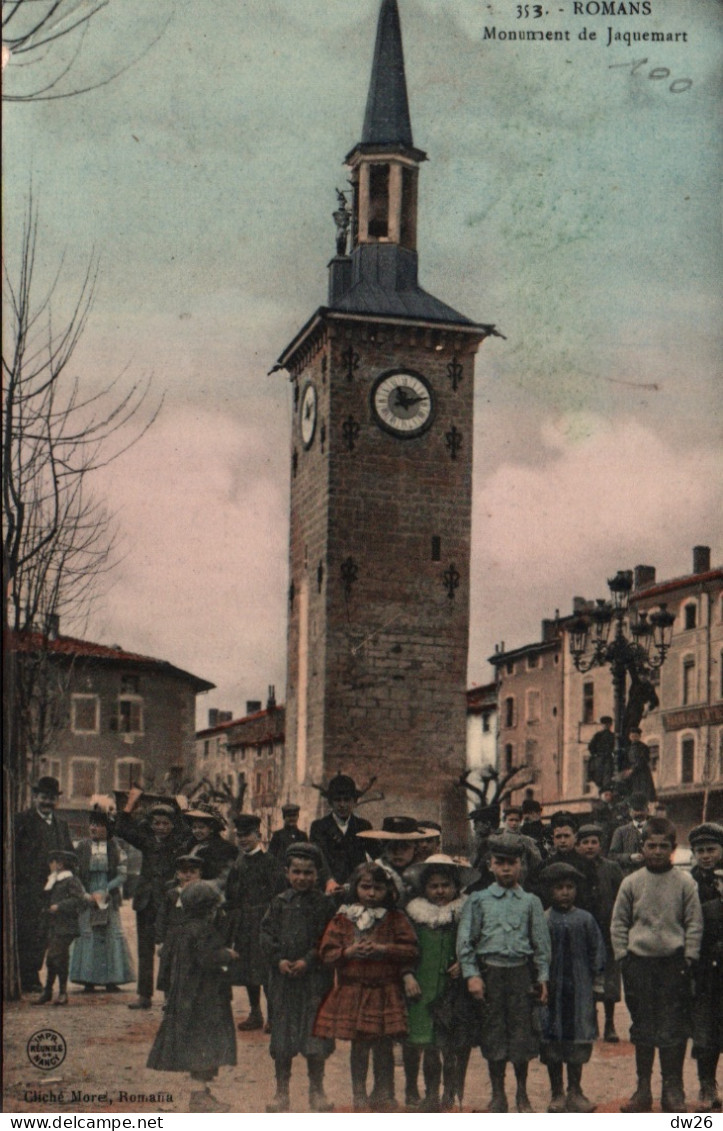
(342, 219)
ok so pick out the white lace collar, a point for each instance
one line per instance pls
(362, 917)
(427, 914)
(55, 877)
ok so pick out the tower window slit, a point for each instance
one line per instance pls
(436, 548)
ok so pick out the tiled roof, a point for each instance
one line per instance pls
(72, 647)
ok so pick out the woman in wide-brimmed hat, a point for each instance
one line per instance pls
(217, 854)
(398, 839)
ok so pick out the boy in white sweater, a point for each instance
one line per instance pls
(656, 932)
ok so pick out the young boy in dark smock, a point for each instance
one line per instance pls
(578, 959)
(197, 1034)
(503, 946)
(290, 933)
(656, 931)
(708, 1004)
(66, 899)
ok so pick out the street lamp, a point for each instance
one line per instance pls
(638, 657)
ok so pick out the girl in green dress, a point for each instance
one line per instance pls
(438, 1034)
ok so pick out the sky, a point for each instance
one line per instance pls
(571, 197)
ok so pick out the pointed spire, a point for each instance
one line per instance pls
(386, 121)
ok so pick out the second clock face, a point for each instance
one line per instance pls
(308, 415)
(402, 403)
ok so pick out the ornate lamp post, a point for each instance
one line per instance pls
(639, 657)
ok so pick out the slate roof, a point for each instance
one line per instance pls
(387, 121)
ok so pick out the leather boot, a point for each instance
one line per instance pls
(557, 1100)
(522, 1101)
(254, 1020)
(671, 1067)
(317, 1099)
(44, 997)
(498, 1099)
(577, 1102)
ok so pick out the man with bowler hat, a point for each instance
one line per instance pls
(290, 833)
(37, 832)
(336, 834)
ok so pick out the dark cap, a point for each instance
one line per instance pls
(634, 730)
(589, 829)
(605, 719)
(637, 801)
(247, 823)
(558, 871)
(507, 809)
(303, 850)
(486, 815)
(289, 810)
(508, 845)
(51, 786)
(711, 831)
(62, 854)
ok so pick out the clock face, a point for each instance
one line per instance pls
(402, 403)
(308, 415)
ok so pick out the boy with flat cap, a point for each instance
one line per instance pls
(255, 878)
(336, 834)
(503, 947)
(288, 834)
(706, 842)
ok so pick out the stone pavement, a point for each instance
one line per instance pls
(107, 1047)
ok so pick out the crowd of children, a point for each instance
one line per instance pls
(420, 951)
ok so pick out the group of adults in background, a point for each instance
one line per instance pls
(375, 936)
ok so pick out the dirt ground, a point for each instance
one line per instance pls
(107, 1046)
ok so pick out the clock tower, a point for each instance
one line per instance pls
(381, 495)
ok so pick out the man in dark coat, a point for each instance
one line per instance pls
(336, 834)
(255, 878)
(636, 775)
(290, 833)
(601, 747)
(626, 846)
(37, 832)
(161, 838)
(597, 895)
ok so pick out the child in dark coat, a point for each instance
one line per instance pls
(66, 898)
(578, 959)
(372, 946)
(708, 1004)
(197, 1034)
(290, 934)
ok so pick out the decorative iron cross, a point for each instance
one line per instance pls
(455, 372)
(294, 462)
(350, 430)
(352, 362)
(453, 440)
(451, 580)
(296, 395)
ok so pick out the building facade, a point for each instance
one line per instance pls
(684, 732)
(241, 761)
(381, 479)
(113, 718)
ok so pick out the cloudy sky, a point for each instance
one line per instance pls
(571, 197)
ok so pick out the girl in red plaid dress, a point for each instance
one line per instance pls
(372, 947)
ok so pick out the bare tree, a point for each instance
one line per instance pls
(46, 37)
(58, 539)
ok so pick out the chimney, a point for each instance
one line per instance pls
(579, 604)
(212, 716)
(271, 701)
(643, 576)
(54, 625)
(701, 559)
(252, 706)
(549, 631)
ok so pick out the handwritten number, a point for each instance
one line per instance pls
(677, 86)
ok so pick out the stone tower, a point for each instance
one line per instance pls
(381, 483)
